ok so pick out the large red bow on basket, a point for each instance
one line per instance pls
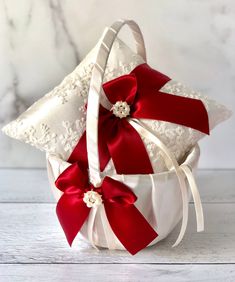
(79, 196)
(138, 95)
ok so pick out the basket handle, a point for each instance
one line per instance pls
(95, 90)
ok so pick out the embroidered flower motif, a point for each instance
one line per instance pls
(41, 137)
(73, 131)
(121, 109)
(92, 199)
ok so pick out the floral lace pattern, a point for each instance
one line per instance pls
(73, 132)
(56, 122)
(44, 139)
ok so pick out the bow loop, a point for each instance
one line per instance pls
(73, 179)
(122, 88)
(117, 193)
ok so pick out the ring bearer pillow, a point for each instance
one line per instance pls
(56, 122)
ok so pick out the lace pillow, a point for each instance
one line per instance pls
(56, 122)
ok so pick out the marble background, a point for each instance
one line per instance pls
(42, 41)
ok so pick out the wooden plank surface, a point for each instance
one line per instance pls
(31, 185)
(30, 233)
(33, 246)
(120, 273)
(25, 185)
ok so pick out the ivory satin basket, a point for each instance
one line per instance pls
(159, 200)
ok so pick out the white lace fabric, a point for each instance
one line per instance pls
(56, 122)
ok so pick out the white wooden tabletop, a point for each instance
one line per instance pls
(33, 246)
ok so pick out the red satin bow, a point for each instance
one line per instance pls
(126, 221)
(118, 139)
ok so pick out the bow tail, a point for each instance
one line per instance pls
(128, 151)
(124, 145)
(130, 227)
(79, 153)
(172, 108)
(72, 212)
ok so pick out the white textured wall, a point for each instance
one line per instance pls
(41, 41)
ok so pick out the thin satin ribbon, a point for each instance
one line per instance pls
(196, 197)
(181, 171)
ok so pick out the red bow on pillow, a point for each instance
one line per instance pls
(79, 196)
(138, 95)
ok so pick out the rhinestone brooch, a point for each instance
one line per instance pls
(92, 199)
(121, 109)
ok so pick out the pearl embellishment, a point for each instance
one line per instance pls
(92, 199)
(121, 109)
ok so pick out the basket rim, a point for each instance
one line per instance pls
(191, 160)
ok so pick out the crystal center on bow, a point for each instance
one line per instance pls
(121, 109)
(92, 199)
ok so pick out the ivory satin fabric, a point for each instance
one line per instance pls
(159, 200)
(56, 122)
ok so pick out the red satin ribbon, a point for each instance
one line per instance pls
(126, 221)
(118, 139)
